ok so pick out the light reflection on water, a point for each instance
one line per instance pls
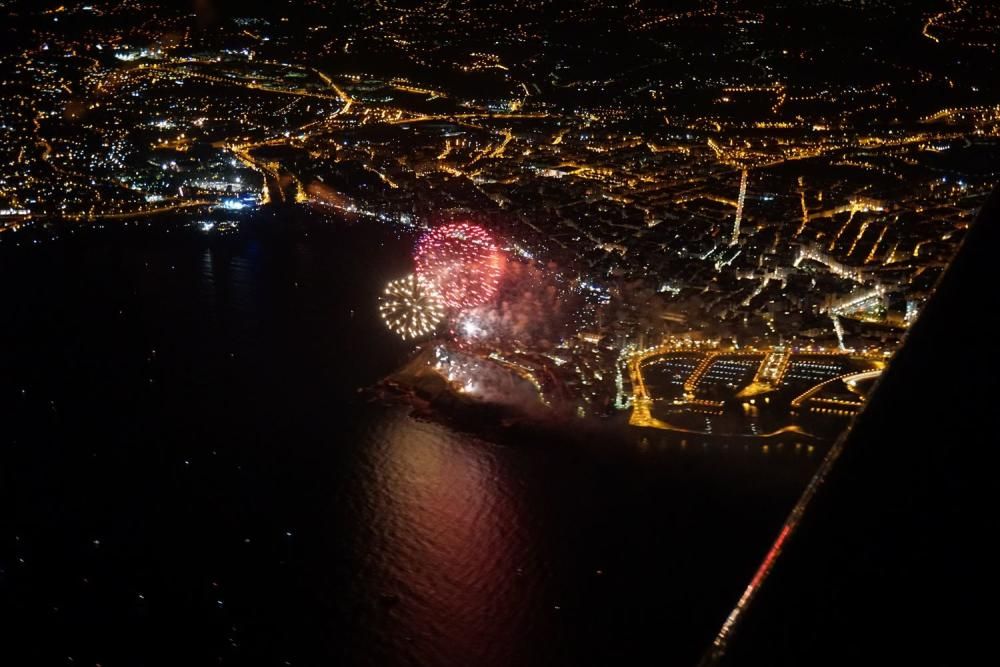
(214, 388)
(446, 531)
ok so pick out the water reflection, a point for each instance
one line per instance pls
(446, 531)
(342, 532)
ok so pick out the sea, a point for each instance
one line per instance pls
(195, 472)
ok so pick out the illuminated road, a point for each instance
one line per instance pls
(956, 7)
(770, 373)
(848, 378)
(641, 401)
(467, 116)
(273, 192)
(128, 215)
(341, 95)
(249, 85)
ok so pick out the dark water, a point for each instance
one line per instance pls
(195, 480)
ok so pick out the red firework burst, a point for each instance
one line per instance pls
(462, 262)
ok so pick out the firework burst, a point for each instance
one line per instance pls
(411, 307)
(462, 262)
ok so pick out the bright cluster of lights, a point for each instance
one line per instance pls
(458, 268)
(459, 370)
(462, 261)
(411, 307)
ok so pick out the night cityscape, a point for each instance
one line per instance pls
(485, 333)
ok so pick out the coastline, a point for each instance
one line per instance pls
(432, 397)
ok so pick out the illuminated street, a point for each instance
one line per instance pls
(470, 333)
